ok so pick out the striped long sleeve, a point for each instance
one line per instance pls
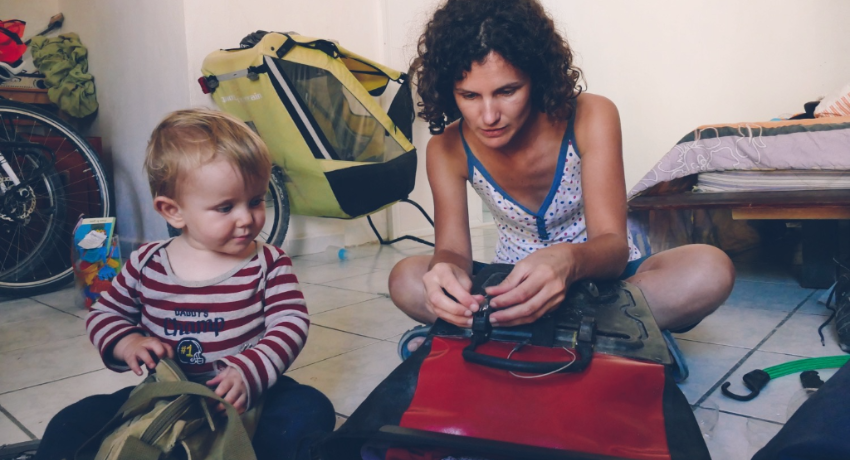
(252, 318)
(286, 323)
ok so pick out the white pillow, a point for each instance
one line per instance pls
(836, 104)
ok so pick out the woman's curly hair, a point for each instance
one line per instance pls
(465, 31)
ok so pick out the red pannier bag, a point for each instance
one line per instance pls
(11, 45)
(591, 380)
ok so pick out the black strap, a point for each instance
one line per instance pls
(13, 36)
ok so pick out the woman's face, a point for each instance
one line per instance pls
(495, 100)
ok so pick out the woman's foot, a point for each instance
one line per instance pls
(412, 340)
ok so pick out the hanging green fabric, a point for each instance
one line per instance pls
(64, 62)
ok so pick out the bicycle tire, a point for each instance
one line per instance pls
(82, 190)
(277, 210)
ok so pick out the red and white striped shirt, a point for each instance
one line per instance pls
(252, 318)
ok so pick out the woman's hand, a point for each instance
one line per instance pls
(136, 349)
(228, 384)
(444, 280)
(536, 285)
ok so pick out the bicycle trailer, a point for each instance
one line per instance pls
(590, 381)
(313, 102)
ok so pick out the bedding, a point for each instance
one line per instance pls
(811, 144)
(774, 181)
(777, 153)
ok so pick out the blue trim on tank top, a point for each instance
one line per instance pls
(473, 162)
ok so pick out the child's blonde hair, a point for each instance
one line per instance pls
(188, 139)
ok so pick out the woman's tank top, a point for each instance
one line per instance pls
(560, 218)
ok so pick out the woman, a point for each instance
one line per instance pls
(547, 160)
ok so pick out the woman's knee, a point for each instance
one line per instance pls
(719, 267)
(405, 281)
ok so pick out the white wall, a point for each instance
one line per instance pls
(671, 65)
(668, 65)
(137, 54)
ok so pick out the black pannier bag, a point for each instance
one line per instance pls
(589, 381)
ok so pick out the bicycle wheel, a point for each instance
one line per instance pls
(277, 210)
(64, 181)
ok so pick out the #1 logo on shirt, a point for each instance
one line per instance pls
(189, 351)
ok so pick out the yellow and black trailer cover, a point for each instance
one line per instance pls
(312, 101)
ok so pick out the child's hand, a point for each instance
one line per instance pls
(229, 385)
(137, 348)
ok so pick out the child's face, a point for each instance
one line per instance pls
(220, 211)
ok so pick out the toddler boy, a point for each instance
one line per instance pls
(226, 307)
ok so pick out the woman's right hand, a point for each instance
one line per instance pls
(444, 280)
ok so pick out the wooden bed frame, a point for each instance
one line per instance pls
(818, 210)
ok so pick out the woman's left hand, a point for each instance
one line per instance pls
(536, 285)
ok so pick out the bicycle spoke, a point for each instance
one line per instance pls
(67, 181)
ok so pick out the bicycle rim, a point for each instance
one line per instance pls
(35, 255)
(277, 210)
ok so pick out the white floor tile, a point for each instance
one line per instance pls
(729, 440)
(10, 433)
(387, 257)
(324, 343)
(321, 274)
(20, 310)
(347, 379)
(799, 336)
(378, 318)
(707, 364)
(46, 363)
(325, 298)
(44, 325)
(772, 403)
(65, 300)
(766, 296)
(737, 327)
(34, 407)
(374, 281)
(813, 306)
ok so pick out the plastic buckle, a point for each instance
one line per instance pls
(481, 326)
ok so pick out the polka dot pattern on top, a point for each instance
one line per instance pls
(560, 218)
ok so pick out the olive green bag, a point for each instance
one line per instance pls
(167, 417)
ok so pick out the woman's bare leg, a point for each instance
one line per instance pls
(681, 285)
(407, 290)
(685, 284)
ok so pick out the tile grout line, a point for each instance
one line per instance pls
(751, 352)
(347, 332)
(18, 424)
(52, 381)
(750, 417)
(379, 296)
(57, 309)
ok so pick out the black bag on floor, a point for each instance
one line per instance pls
(819, 429)
(589, 381)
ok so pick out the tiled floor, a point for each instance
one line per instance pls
(46, 361)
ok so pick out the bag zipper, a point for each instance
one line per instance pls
(166, 418)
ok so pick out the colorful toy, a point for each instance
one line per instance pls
(97, 257)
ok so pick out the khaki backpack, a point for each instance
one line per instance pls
(168, 417)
